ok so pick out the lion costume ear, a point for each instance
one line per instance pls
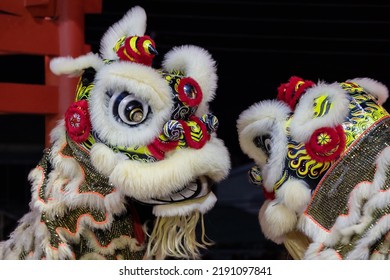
(74, 67)
(133, 23)
(197, 63)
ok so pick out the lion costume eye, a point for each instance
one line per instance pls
(264, 142)
(189, 92)
(128, 109)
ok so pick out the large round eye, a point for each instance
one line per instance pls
(128, 109)
(189, 92)
(264, 142)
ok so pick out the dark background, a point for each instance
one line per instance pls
(257, 45)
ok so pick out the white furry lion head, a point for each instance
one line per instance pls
(149, 130)
(297, 138)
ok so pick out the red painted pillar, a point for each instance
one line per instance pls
(71, 40)
(48, 28)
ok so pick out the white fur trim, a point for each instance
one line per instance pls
(312, 229)
(147, 180)
(184, 208)
(115, 244)
(92, 256)
(65, 252)
(346, 224)
(295, 194)
(26, 237)
(373, 87)
(303, 124)
(266, 117)
(145, 84)
(361, 250)
(314, 253)
(198, 64)
(276, 220)
(359, 215)
(58, 132)
(105, 159)
(377, 198)
(74, 67)
(378, 256)
(65, 180)
(131, 24)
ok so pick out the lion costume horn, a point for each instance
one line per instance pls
(135, 135)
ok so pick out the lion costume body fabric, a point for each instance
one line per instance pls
(322, 156)
(135, 138)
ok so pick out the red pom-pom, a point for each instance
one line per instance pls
(326, 144)
(292, 91)
(77, 121)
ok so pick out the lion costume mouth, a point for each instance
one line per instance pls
(197, 188)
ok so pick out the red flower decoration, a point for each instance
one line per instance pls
(77, 121)
(326, 144)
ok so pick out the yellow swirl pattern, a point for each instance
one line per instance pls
(351, 87)
(281, 181)
(82, 91)
(321, 106)
(119, 43)
(302, 164)
(363, 113)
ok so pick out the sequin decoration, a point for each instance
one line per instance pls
(96, 229)
(346, 173)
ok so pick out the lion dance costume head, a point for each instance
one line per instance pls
(134, 137)
(323, 161)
